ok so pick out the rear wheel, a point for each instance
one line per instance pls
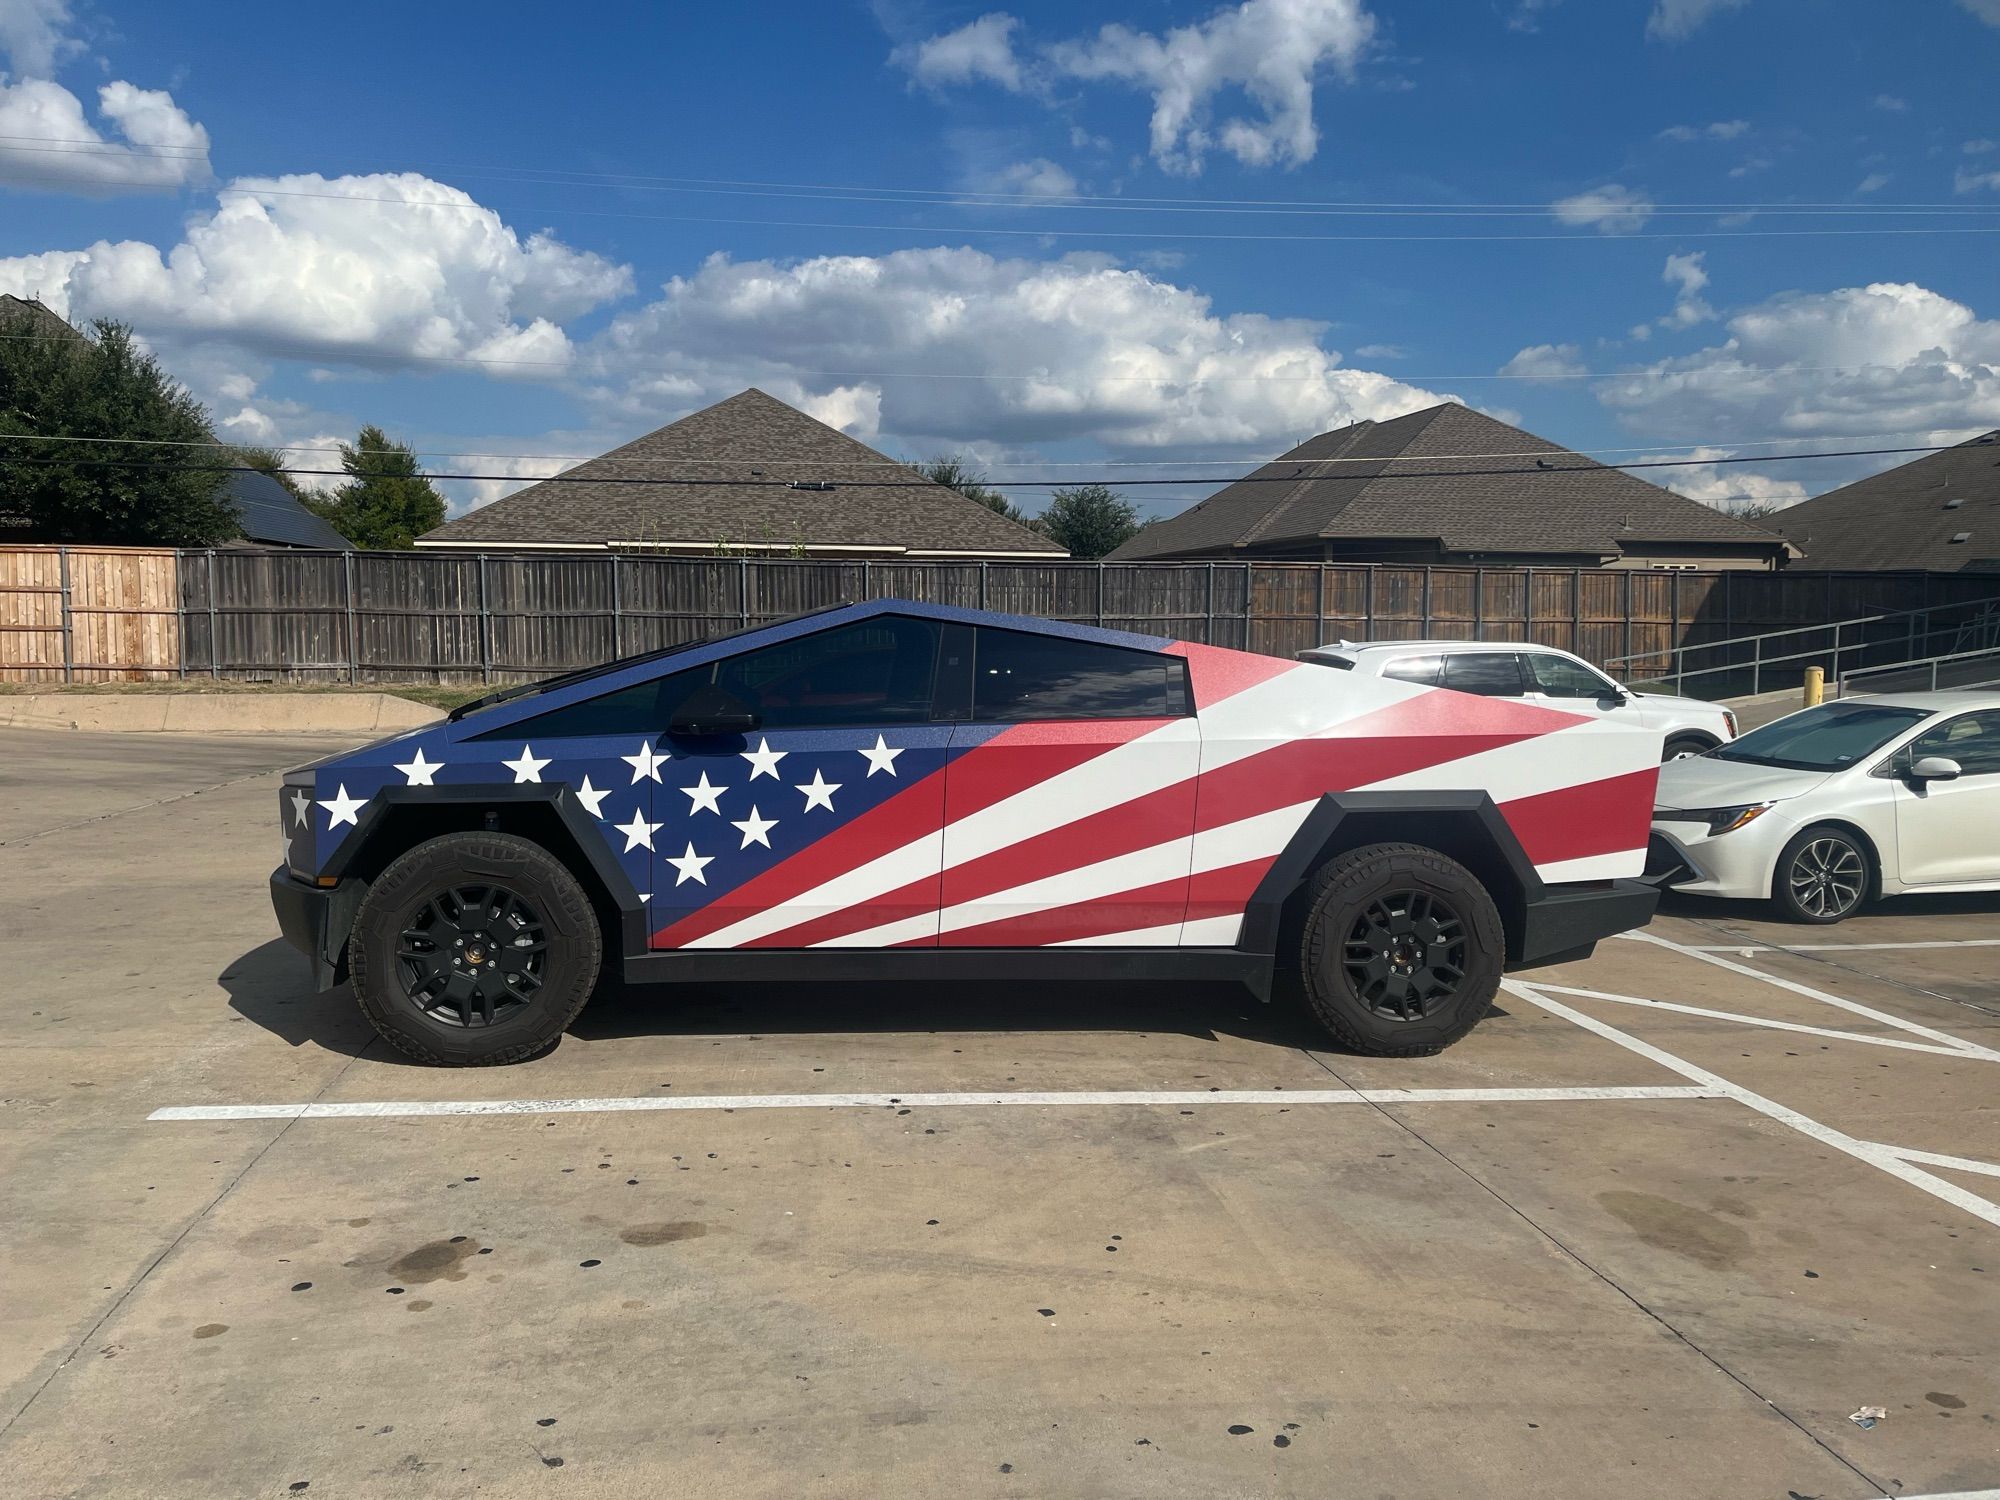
(473, 949)
(1402, 950)
(1823, 876)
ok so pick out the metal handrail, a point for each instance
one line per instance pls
(1933, 662)
(1982, 611)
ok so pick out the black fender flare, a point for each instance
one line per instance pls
(1473, 813)
(582, 829)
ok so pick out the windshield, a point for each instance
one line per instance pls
(1831, 737)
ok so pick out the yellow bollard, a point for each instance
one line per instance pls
(1815, 686)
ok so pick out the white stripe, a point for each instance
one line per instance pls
(1146, 1097)
(1622, 864)
(1071, 887)
(1166, 936)
(1556, 761)
(1212, 932)
(1875, 1156)
(1938, 1159)
(1759, 1021)
(887, 935)
(1958, 1044)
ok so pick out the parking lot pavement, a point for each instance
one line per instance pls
(1660, 1224)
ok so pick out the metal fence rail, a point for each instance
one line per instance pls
(1953, 669)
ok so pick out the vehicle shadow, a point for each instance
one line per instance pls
(1929, 904)
(271, 986)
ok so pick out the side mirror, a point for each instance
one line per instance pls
(1935, 768)
(710, 711)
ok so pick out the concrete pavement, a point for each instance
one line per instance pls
(1563, 1294)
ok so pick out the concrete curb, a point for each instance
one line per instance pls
(216, 713)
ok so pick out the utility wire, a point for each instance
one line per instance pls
(920, 483)
(737, 460)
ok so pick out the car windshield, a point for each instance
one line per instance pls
(1831, 737)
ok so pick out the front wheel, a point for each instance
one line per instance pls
(1402, 950)
(1823, 876)
(473, 949)
(1684, 747)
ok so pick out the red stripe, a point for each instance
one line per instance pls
(1219, 673)
(1213, 893)
(1029, 754)
(1427, 730)
(1575, 822)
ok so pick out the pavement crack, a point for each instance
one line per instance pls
(194, 1222)
(1608, 1280)
(137, 807)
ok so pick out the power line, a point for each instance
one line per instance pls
(1128, 482)
(740, 460)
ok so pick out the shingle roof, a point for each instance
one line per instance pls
(1584, 508)
(873, 502)
(268, 513)
(1898, 519)
(45, 321)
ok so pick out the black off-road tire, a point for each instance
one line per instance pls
(1844, 857)
(1379, 878)
(572, 951)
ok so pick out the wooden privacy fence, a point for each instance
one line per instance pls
(92, 614)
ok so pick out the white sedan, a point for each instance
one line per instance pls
(1826, 808)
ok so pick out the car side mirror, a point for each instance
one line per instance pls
(710, 711)
(1935, 768)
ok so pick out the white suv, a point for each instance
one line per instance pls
(1539, 674)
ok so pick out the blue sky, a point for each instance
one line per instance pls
(1116, 233)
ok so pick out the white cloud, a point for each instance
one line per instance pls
(1040, 178)
(1874, 182)
(1891, 104)
(1676, 20)
(1857, 362)
(1270, 51)
(1380, 351)
(1987, 10)
(386, 266)
(982, 49)
(1610, 209)
(989, 350)
(1686, 275)
(1527, 14)
(147, 142)
(1724, 487)
(1965, 180)
(33, 35)
(1979, 148)
(1719, 130)
(1547, 362)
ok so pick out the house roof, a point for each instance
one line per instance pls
(1580, 507)
(268, 513)
(1899, 519)
(46, 322)
(870, 502)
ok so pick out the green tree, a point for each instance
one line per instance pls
(955, 474)
(1090, 520)
(145, 480)
(386, 503)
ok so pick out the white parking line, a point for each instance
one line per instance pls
(1836, 948)
(1288, 1097)
(1939, 1159)
(1762, 1022)
(1854, 1007)
(1883, 1157)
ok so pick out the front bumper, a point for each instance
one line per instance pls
(315, 920)
(1736, 865)
(1569, 919)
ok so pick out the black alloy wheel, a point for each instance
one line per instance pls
(1405, 954)
(472, 949)
(473, 955)
(1400, 949)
